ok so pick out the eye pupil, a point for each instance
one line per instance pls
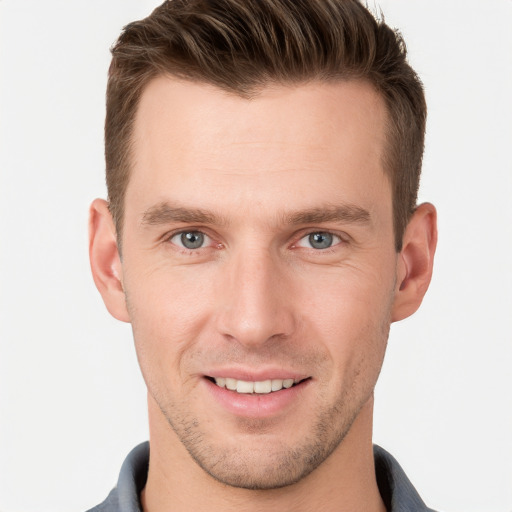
(192, 239)
(320, 240)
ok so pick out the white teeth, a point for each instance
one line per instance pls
(244, 387)
(277, 384)
(231, 384)
(260, 387)
(221, 382)
(264, 386)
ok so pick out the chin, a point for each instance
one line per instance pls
(263, 461)
(249, 471)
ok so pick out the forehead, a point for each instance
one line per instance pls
(282, 146)
(196, 111)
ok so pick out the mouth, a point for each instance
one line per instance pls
(263, 387)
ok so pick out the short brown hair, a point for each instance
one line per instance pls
(243, 45)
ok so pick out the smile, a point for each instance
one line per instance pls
(262, 387)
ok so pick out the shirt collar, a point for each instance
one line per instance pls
(396, 490)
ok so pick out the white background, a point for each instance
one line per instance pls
(72, 402)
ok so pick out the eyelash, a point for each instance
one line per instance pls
(185, 250)
(295, 245)
(340, 240)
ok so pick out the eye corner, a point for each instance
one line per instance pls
(318, 240)
(192, 241)
(188, 239)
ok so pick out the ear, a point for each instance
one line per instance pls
(105, 261)
(415, 261)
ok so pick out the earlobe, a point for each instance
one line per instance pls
(415, 261)
(105, 260)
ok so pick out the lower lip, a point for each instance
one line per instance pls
(257, 405)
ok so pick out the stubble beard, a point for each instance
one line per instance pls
(264, 465)
(280, 465)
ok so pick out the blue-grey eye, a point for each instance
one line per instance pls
(320, 240)
(189, 239)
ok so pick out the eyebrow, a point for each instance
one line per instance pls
(346, 213)
(165, 213)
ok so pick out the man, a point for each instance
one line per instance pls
(261, 234)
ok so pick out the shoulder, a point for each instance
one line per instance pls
(397, 491)
(132, 479)
(111, 504)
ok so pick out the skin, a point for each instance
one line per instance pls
(257, 178)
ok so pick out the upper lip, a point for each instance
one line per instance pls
(256, 375)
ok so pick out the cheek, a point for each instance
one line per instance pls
(168, 311)
(350, 311)
(167, 298)
(350, 296)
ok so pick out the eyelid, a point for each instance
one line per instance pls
(168, 238)
(304, 234)
(342, 238)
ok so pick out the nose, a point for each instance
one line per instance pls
(255, 302)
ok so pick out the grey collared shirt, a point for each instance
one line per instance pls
(396, 490)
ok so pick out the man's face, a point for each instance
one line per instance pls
(258, 251)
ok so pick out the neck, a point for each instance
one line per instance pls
(345, 481)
